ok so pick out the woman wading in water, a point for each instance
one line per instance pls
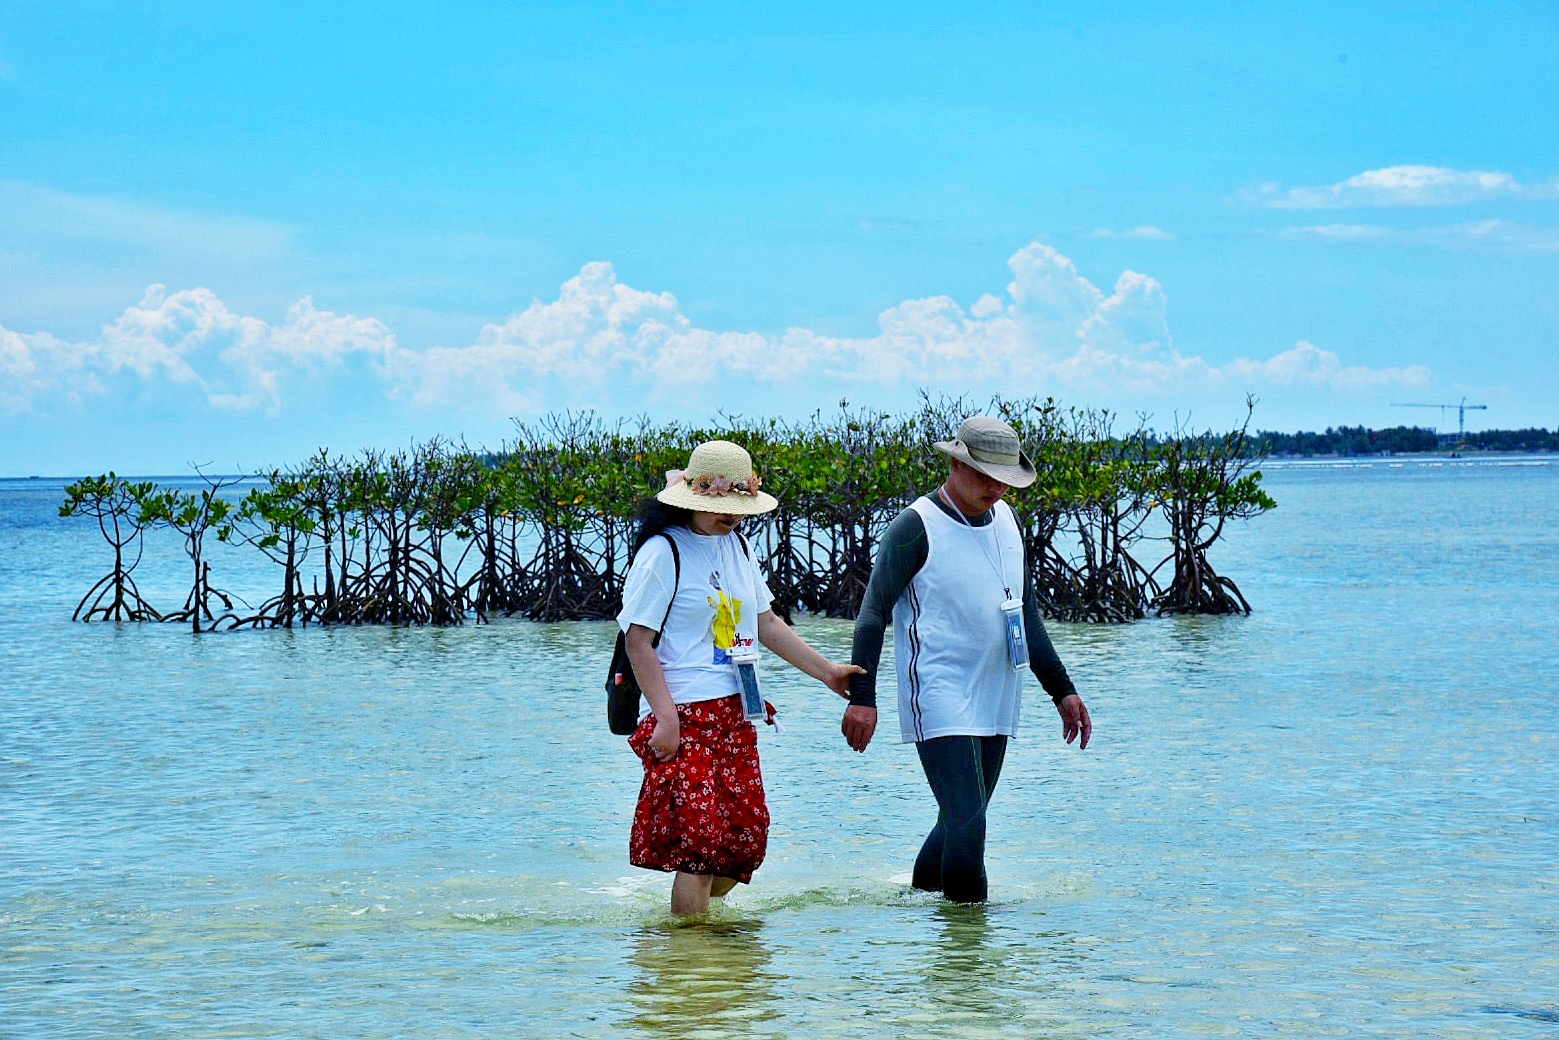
(701, 809)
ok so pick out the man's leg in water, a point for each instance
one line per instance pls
(962, 772)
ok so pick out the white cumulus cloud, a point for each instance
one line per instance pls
(604, 344)
(189, 339)
(1306, 365)
(1393, 186)
(40, 365)
(1051, 331)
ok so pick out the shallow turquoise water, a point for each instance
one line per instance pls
(1333, 818)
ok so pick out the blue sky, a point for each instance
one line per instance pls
(231, 234)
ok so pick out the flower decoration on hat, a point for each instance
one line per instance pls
(719, 484)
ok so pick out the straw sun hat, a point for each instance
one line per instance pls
(992, 447)
(718, 479)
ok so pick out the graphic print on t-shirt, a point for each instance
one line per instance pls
(728, 614)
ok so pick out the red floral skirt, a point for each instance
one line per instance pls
(703, 811)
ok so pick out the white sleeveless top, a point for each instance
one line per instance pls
(949, 637)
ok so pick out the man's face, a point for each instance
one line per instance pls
(975, 488)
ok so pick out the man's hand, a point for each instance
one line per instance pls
(860, 722)
(1074, 720)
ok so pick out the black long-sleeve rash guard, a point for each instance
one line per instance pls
(899, 559)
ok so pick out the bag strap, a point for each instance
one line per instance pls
(676, 562)
(747, 552)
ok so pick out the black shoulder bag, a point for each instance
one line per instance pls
(622, 687)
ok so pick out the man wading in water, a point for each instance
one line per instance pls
(946, 573)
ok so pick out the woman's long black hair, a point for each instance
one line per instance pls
(654, 517)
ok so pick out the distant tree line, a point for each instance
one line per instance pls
(1512, 440)
(1119, 524)
(1360, 440)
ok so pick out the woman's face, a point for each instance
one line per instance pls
(715, 523)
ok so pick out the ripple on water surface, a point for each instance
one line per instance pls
(1333, 818)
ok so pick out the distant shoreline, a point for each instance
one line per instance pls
(1341, 442)
(1403, 440)
(1418, 456)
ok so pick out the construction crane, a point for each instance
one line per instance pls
(1461, 413)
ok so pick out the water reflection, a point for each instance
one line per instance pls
(706, 979)
(964, 970)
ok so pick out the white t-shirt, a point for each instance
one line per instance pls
(716, 609)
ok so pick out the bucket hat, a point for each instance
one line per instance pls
(719, 479)
(992, 447)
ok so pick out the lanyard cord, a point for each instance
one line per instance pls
(996, 564)
(710, 551)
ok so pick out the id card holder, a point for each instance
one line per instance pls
(745, 662)
(1017, 640)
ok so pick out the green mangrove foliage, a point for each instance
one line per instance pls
(192, 514)
(1204, 482)
(115, 504)
(542, 529)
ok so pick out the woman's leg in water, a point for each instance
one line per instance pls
(690, 894)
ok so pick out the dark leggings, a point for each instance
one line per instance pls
(962, 772)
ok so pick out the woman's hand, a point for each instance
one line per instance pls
(782, 639)
(666, 738)
(836, 677)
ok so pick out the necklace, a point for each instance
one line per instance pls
(708, 546)
(996, 564)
